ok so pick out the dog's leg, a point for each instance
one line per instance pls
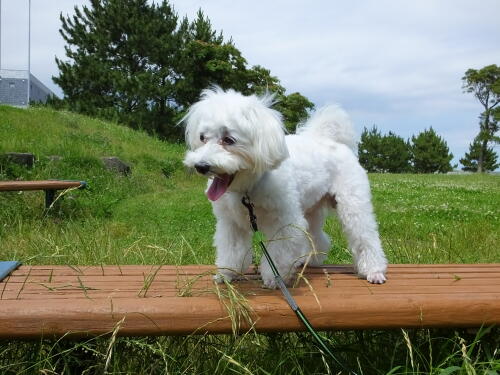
(355, 211)
(316, 219)
(288, 247)
(234, 250)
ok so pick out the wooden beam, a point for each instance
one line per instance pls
(39, 185)
(168, 300)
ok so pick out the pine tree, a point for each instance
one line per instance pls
(120, 52)
(430, 153)
(471, 159)
(383, 153)
(396, 155)
(370, 149)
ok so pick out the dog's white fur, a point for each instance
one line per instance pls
(293, 182)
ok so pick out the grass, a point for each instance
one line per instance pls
(159, 215)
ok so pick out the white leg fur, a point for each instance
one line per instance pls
(316, 219)
(355, 212)
(234, 249)
(288, 247)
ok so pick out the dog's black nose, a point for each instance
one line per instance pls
(202, 168)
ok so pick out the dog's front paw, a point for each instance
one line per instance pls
(269, 283)
(225, 275)
(269, 280)
(376, 277)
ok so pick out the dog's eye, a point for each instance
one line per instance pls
(202, 137)
(228, 141)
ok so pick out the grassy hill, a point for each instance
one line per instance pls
(159, 215)
(133, 219)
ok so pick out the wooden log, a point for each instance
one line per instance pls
(176, 300)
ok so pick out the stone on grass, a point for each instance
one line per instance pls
(112, 163)
(22, 158)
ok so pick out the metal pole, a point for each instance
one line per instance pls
(29, 53)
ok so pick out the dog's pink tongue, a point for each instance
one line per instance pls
(218, 187)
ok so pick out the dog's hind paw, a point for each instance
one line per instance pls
(269, 284)
(376, 277)
(219, 278)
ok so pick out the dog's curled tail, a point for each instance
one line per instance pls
(331, 122)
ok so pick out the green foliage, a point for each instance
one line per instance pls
(471, 159)
(205, 59)
(119, 56)
(383, 153)
(135, 62)
(427, 153)
(369, 149)
(294, 108)
(260, 81)
(170, 166)
(485, 85)
(430, 153)
(418, 351)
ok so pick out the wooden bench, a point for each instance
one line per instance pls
(49, 186)
(168, 300)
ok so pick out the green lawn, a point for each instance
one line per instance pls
(159, 215)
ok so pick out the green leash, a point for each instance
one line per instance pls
(286, 293)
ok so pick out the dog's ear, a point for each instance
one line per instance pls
(191, 122)
(269, 138)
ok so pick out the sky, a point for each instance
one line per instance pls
(391, 63)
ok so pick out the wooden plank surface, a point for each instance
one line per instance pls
(156, 300)
(38, 185)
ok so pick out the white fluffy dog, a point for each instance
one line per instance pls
(238, 142)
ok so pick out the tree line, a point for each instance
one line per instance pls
(426, 152)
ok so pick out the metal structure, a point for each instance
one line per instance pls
(19, 87)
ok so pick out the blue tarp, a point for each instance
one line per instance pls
(7, 267)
